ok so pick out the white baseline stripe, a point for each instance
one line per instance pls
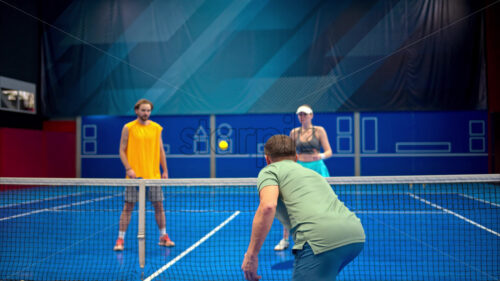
(400, 212)
(41, 200)
(480, 200)
(188, 250)
(338, 155)
(453, 213)
(416, 239)
(70, 246)
(58, 207)
(399, 155)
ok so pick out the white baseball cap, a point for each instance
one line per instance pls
(305, 109)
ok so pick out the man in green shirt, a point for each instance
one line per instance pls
(326, 234)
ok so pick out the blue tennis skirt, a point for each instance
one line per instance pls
(318, 166)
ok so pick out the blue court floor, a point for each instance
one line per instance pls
(68, 234)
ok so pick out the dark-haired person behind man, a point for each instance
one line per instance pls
(326, 234)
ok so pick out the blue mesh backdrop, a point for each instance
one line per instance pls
(237, 57)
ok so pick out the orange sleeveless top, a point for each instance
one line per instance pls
(143, 149)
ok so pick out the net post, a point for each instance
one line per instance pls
(141, 233)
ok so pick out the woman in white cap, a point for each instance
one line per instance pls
(309, 140)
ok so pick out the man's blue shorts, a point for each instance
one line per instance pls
(324, 266)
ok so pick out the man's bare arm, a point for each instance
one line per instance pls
(262, 223)
(264, 217)
(163, 160)
(123, 153)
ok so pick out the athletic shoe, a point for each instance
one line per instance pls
(283, 244)
(119, 244)
(165, 241)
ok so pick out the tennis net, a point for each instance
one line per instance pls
(417, 228)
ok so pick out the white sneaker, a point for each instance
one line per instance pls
(283, 244)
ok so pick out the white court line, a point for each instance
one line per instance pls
(455, 214)
(188, 250)
(70, 246)
(400, 212)
(59, 207)
(41, 200)
(480, 200)
(433, 248)
(336, 155)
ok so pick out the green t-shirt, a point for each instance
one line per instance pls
(308, 206)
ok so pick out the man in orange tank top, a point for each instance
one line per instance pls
(142, 153)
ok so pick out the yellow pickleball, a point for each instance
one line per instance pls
(223, 145)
